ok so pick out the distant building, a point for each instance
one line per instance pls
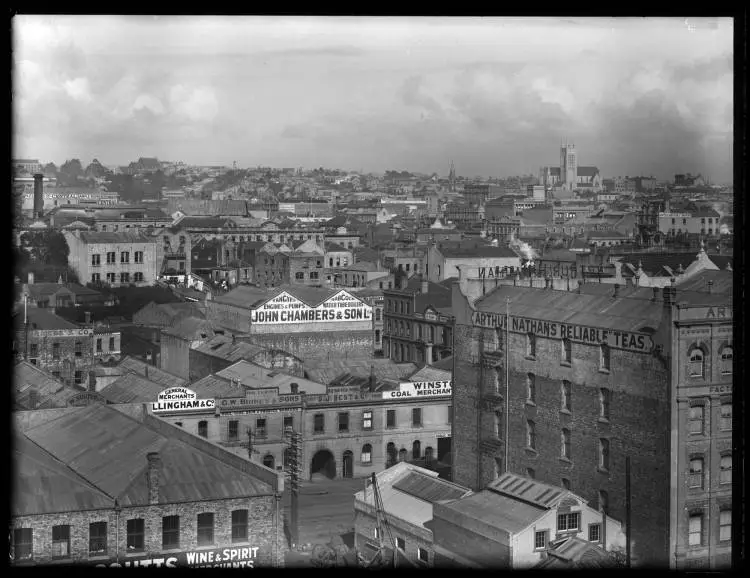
(569, 175)
(30, 166)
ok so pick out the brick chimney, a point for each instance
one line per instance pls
(295, 388)
(38, 195)
(152, 475)
(428, 354)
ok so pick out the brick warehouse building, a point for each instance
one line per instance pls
(307, 322)
(158, 496)
(590, 377)
(347, 430)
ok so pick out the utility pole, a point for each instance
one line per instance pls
(627, 512)
(295, 460)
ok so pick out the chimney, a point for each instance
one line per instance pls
(295, 388)
(152, 476)
(616, 292)
(87, 317)
(428, 354)
(30, 278)
(425, 286)
(146, 371)
(38, 195)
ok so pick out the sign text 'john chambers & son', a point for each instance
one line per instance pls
(420, 389)
(579, 333)
(180, 399)
(285, 308)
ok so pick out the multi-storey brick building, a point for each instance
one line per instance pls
(115, 258)
(417, 321)
(124, 506)
(584, 381)
(176, 250)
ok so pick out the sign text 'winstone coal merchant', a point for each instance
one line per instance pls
(627, 340)
(285, 308)
(180, 399)
(420, 389)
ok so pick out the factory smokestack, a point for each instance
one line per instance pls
(38, 195)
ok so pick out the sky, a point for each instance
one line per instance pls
(494, 95)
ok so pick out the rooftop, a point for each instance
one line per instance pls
(41, 319)
(327, 370)
(90, 237)
(223, 347)
(155, 374)
(131, 388)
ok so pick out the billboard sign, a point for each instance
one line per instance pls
(420, 389)
(180, 399)
(285, 308)
(240, 557)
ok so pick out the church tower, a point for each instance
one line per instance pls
(568, 166)
(452, 178)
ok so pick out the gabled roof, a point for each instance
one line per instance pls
(327, 370)
(50, 392)
(109, 449)
(431, 373)
(223, 347)
(576, 553)
(155, 374)
(40, 318)
(131, 388)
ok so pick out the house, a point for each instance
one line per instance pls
(166, 314)
(52, 295)
(472, 260)
(513, 522)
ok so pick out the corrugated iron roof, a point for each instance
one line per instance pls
(109, 449)
(154, 373)
(528, 490)
(131, 388)
(576, 552)
(431, 373)
(503, 512)
(428, 488)
(722, 283)
(326, 370)
(603, 311)
(222, 346)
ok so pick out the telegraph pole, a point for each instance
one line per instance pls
(627, 512)
(295, 460)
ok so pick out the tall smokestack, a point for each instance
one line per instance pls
(38, 195)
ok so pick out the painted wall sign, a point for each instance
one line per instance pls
(626, 340)
(85, 398)
(285, 308)
(262, 397)
(242, 557)
(726, 388)
(414, 389)
(494, 272)
(180, 399)
(62, 332)
(706, 313)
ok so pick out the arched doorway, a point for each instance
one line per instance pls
(392, 454)
(428, 455)
(402, 455)
(416, 450)
(348, 464)
(324, 463)
(269, 461)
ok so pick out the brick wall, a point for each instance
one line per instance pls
(67, 362)
(175, 355)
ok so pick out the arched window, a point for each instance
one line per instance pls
(726, 360)
(604, 361)
(530, 345)
(203, 428)
(392, 455)
(696, 363)
(402, 455)
(567, 351)
(269, 461)
(531, 387)
(531, 434)
(416, 450)
(366, 454)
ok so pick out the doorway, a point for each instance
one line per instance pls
(348, 464)
(324, 463)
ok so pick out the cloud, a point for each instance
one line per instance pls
(150, 103)
(78, 89)
(197, 104)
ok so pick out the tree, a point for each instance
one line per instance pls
(72, 168)
(47, 247)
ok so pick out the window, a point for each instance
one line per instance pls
(695, 530)
(96, 260)
(239, 526)
(540, 539)
(416, 417)
(135, 532)
(566, 394)
(288, 422)
(170, 532)
(567, 351)
(205, 529)
(604, 357)
(695, 366)
(595, 532)
(604, 454)
(367, 419)
(416, 450)
(531, 435)
(530, 345)
(61, 541)
(390, 418)
(318, 423)
(726, 361)
(110, 257)
(450, 414)
(111, 343)
(725, 525)
(56, 351)
(696, 419)
(378, 312)
(138, 257)
(531, 387)
(725, 477)
(726, 416)
(138, 277)
(568, 522)
(111, 277)
(233, 430)
(343, 422)
(96, 277)
(603, 501)
(260, 428)
(695, 477)
(498, 424)
(566, 483)
(78, 377)
(23, 544)
(125, 277)
(125, 257)
(565, 444)
(99, 345)
(78, 349)
(33, 349)
(299, 276)
(203, 428)
(423, 555)
(401, 543)
(604, 403)
(366, 454)
(314, 275)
